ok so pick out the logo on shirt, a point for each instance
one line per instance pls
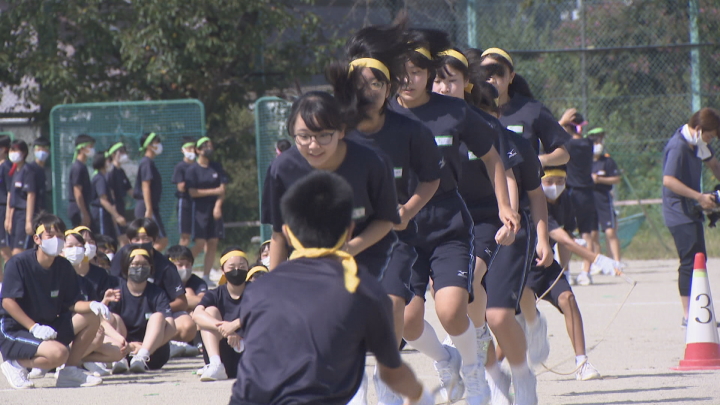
(54, 293)
(215, 175)
(472, 156)
(18, 184)
(518, 129)
(512, 153)
(151, 280)
(444, 140)
(358, 213)
(441, 164)
(398, 171)
(178, 288)
(462, 273)
(148, 315)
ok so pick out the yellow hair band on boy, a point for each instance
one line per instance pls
(499, 52)
(424, 52)
(81, 228)
(469, 87)
(348, 262)
(142, 230)
(455, 54)
(72, 231)
(555, 173)
(40, 229)
(139, 252)
(202, 141)
(232, 253)
(371, 63)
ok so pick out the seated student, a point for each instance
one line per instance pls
(106, 218)
(107, 245)
(263, 257)
(218, 316)
(102, 261)
(195, 289)
(143, 313)
(310, 367)
(256, 272)
(39, 296)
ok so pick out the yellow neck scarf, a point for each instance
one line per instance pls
(351, 279)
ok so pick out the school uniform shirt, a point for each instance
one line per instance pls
(101, 187)
(5, 181)
(41, 200)
(23, 182)
(529, 172)
(100, 281)
(680, 161)
(220, 298)
(135, 311)
(166, 275)
(605, 166)
(534, 122)
(559, 214)
(43, 294)
(197, 284)
(119, 184)
(309, 347)
(409, 148)
(148, 171)
(452, 122)
(179, 177)
(579, 167)
(79, 176)
(199, 177)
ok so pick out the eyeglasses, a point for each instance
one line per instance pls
(322, 139)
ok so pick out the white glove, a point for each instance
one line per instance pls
(43, 332)
(241, 347)
(426, 399)
(608, 265)
(100, 309)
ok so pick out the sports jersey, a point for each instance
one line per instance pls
(534, 122)
(79, 176)
(579, 167)
(179, 177)
(197, 284)
(605, 166)
(148, 171)
(202, 178)
(136, 310)
(119, 183)
(220, 298)
(23, 183)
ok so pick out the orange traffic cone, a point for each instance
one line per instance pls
(702, 346)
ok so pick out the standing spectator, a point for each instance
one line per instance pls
(80, 190)
(5, 166)
(118, 183)
(22, 201)
(106, 219)
(148, 186)
(43, 174)
(184, 205)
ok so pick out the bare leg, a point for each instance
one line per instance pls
(398, 304)
(613, 243)
(50, 354)
(210, 248)
(85, 327)
(212, 338)
(528, 305)
(595, 235)
(155, 333)
(186, 329)
(184, 239)
(588, 240)
(477, 308)
(573, 321)
(509, 334)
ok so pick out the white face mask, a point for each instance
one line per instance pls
(53, 246)
(158, 149)
(265, 261)
(554, 191)
(90, 251)
(124, 158)
(598, 149)
(185, 273)
(189, 155)
(15, 157)
(90, 153)
(75, 255)
(41, 155)
(110, 256)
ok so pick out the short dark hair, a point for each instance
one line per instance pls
(125, 260)
(4, 141)
(41, 141)
(319, 110)
(49, 221)
(99, 161)
(282, 145)
(105, 242)
(318, 209)
(20, 145)
(189, 139)
(179, 252)
(151, 228)
(84, 138)
(708, 119)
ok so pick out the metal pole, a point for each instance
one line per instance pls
(471, 17)
(694, 56)
(583, 58)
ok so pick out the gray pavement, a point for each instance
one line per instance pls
(634, 354)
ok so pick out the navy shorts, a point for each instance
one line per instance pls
(16, 342)
(185, 216)
(540, 279)
(582, 201)
(19, 239)
(444, 246)
(103, 222)
(228, 356)
(205, 226)
(374, 259)
(4, 238)
(396, 280)
(485, 231)
(509, 267)
(140, 212)
(605, 210)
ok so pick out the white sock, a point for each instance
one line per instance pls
(466, 345)
(534, 321)
(215, 360)
(519, 371)
(579, 359)
(429, 344)
(494, 371)
(17, 365)
(142, 353)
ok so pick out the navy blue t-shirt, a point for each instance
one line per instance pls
(100, 280)
(23, 183)
(166, 275)
(528, 174)
(559, 213)
(79, 176)
(101, 187)
(147, 171)
(43, 294)
(5, 180)
(605, 166)
(534, 122)
(197, 284)
(41, 200)
(309, 347)
(199, 177)
(452, 122)
(119, 183)
(135, 311)
(220, 298)
(179, 177)
(409, 148)
(579, 167)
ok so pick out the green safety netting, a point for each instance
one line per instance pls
(627, 228)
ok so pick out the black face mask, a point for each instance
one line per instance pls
(139, 274)
(208, 153)
(236, 277)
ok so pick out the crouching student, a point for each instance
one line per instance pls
(218, 316)
(291, 353)
(195, 289)
(143, 313)
(39, 296)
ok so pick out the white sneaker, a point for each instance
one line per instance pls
(191, 351)
(120, 367)
(16, 376)
(595, 269)
(449, 373)
(386, 396)
(36, 373)
(360, 397)
(71, 376)
(499, 389)
(587, 372)
(581, 242)
(537, 341)
(482, 339)
(583, 279)
(214, 372)
(97, 369)
(201, 370)
(138, 364)
(177, 349)
(476, 386)
(526, 389)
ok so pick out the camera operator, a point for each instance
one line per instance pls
(682, 170)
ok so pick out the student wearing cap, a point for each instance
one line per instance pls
(148, 186)
(184, 205)
(605, 174)
(218, 316)
(205, 181)
(106, 218)
(5, 166)
(119, 184)
(43, 174)
(195, 289)
(22, 199)
(39, 296)
(80, 190)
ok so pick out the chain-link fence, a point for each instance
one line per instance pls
(125, 122)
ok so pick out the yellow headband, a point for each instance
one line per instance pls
(350, 274)
(256, 269)
(80, 229)
(555, 173)
(138, 252)
(142, 230)
(371, 63)
(232, 253)
(455, 54)
(40, 229)
(424, 52)
(469, 87)
(499, 52)
(72, 231)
